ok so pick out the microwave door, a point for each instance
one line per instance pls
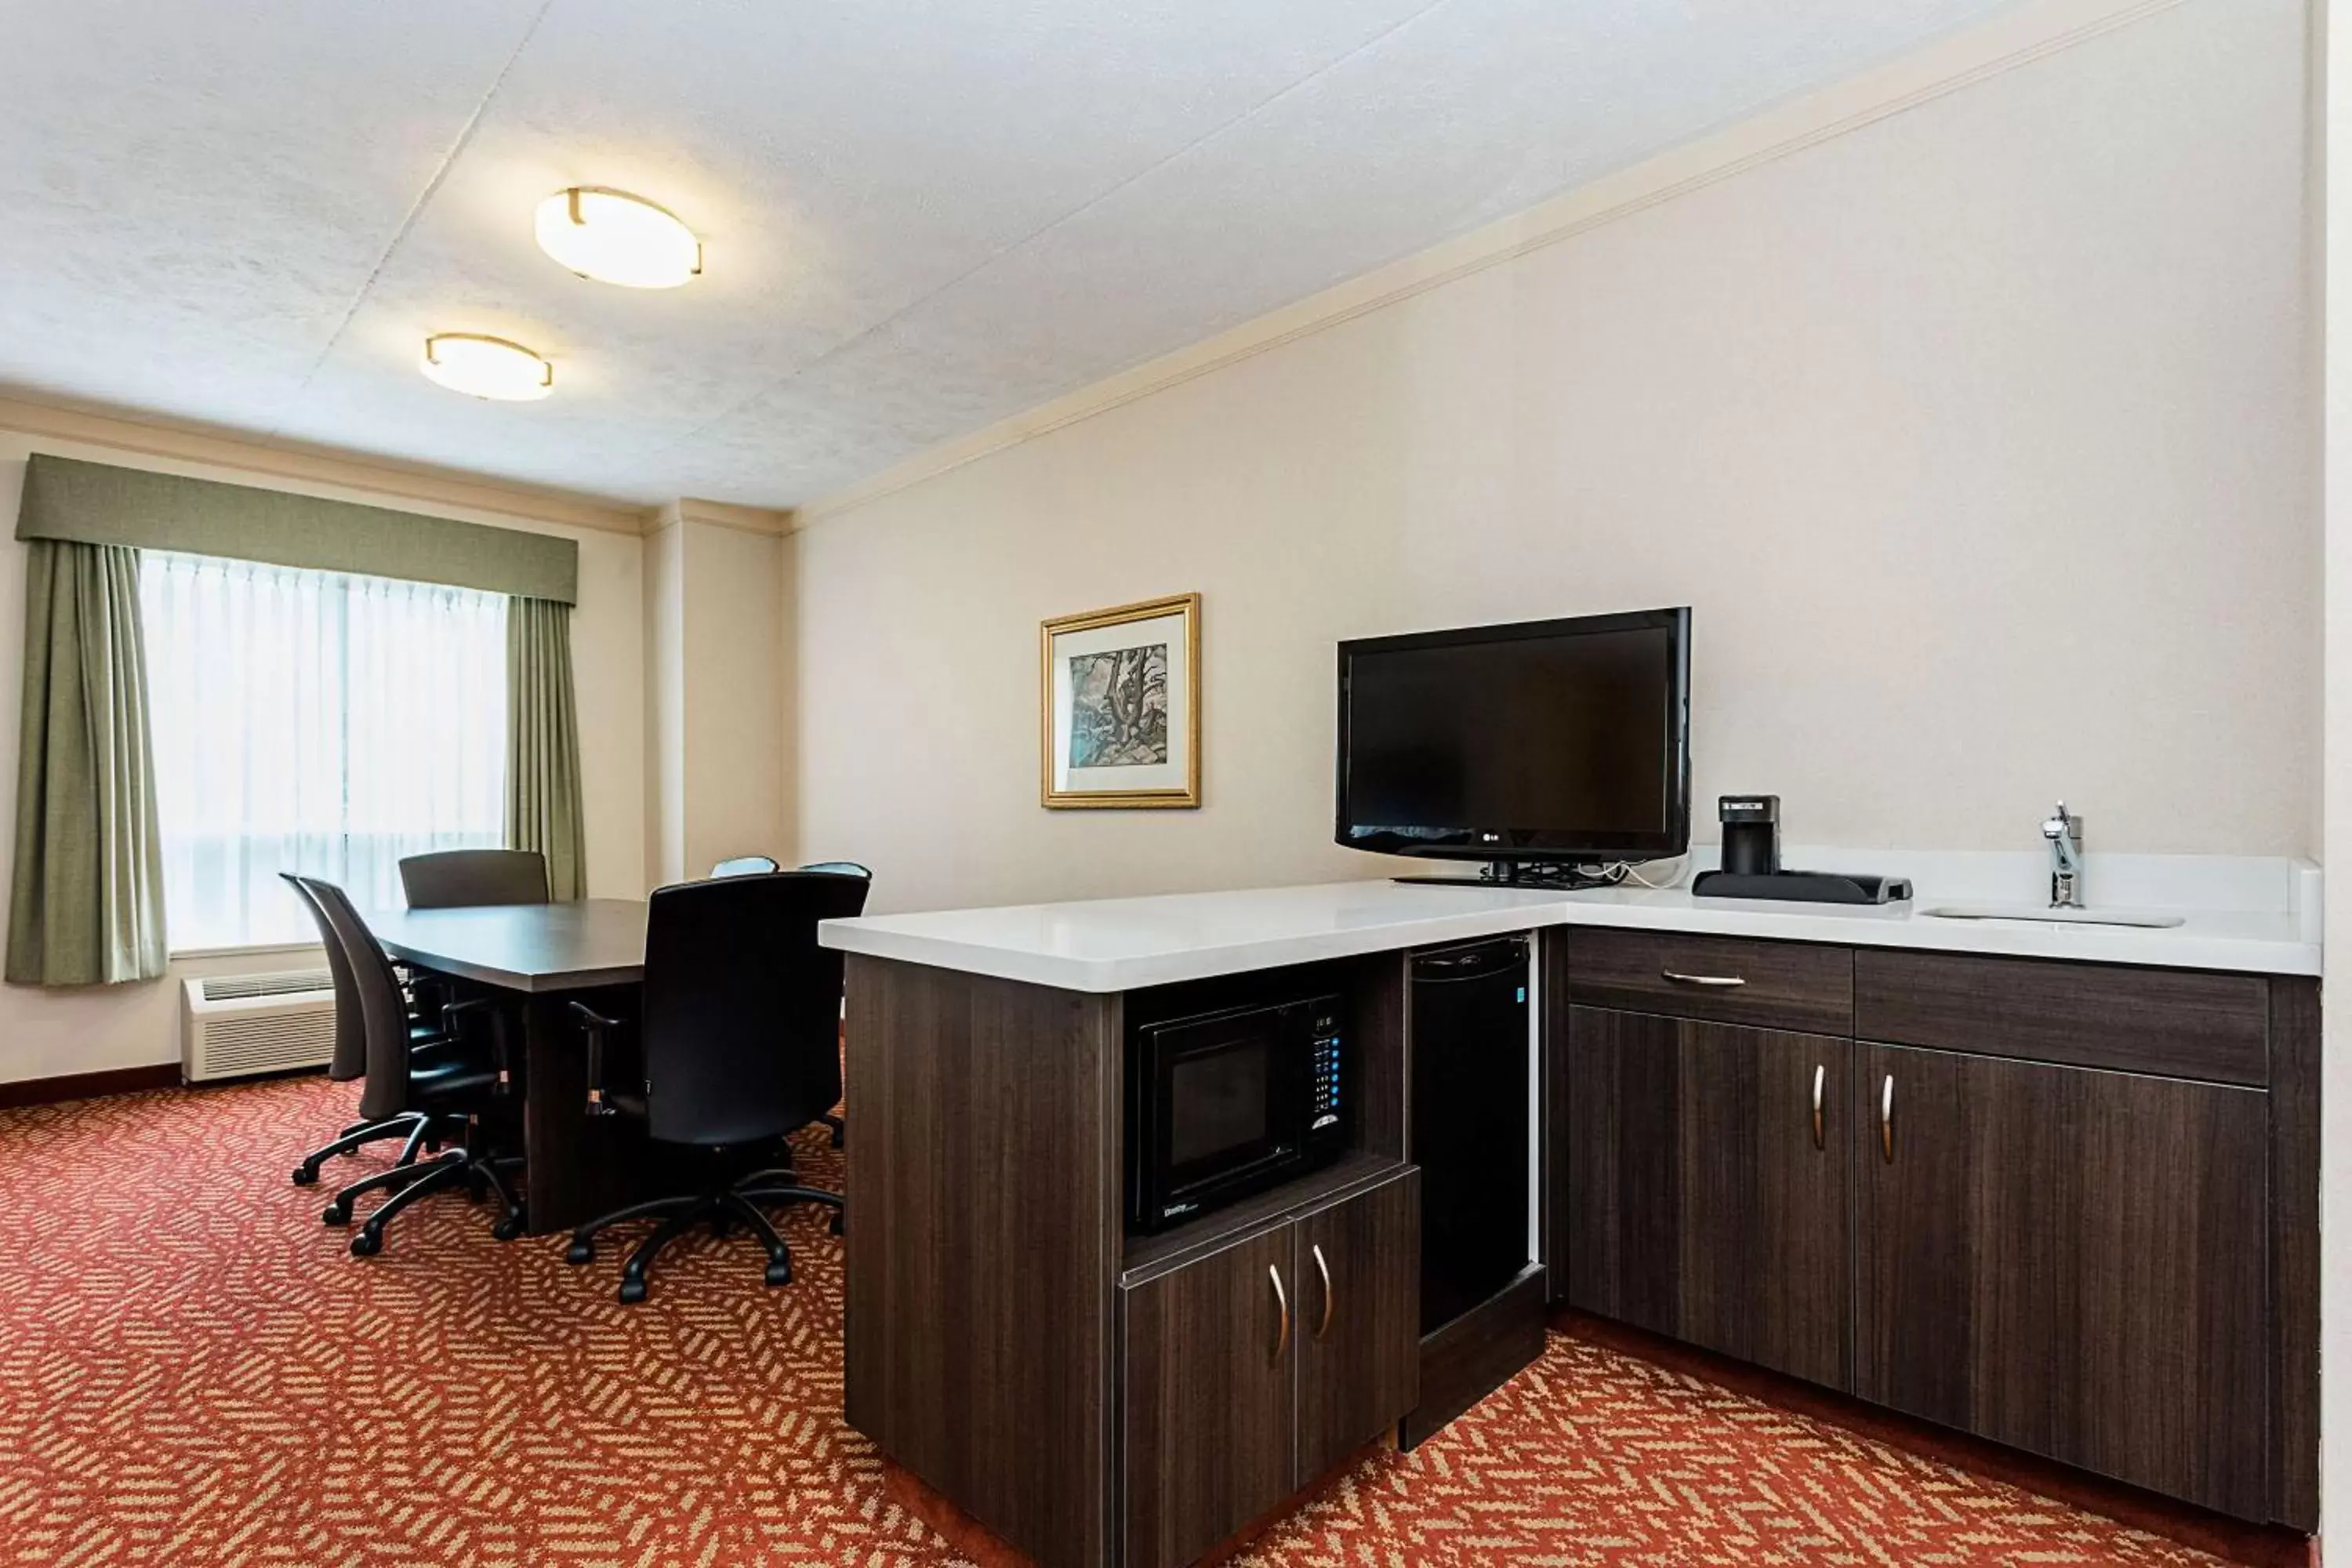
(1222, 1101)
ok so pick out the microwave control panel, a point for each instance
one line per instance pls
(1325, 1058)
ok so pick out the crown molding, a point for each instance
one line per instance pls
(769, 521)
(2031, 32)
(142, 436)
(720, 516)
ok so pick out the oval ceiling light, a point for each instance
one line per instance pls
(615, 238)
(487, 367)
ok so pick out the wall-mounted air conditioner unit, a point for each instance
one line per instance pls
(235, 1025)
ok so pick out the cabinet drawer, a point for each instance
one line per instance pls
(1726, 980)
(2175, 1023)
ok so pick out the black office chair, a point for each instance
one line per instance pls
(838, 868)
(462, 878)
(744, 866)
(460, 1083)
(740, 1031)
(349, 1060)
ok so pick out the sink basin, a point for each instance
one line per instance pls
(2050, 916)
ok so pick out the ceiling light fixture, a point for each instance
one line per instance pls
(617, 238)
(487, 367)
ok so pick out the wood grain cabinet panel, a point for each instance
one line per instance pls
(1358, 1266)
(1768, 984)
(1703, 1198)
(1209, 1383)
(2182, 1023)
(982, 1239)
(1255, 1368)
(2068, 1261)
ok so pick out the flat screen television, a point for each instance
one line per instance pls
(1546, 742)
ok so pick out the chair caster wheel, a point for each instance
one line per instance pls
(632, 1291)
(507, 1230)
(366, 1244)
(579, 1252)
(840, 1138)
(834, 1224)
(336, 1214)
(780, 1271)
(306, 1176)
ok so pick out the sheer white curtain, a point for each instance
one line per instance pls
(317, 722)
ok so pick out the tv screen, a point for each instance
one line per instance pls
(1545, 740)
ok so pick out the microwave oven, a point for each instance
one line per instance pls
(1223, 1104)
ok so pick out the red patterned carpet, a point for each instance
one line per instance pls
(193, 1373)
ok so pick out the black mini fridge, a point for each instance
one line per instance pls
(1469, 1126)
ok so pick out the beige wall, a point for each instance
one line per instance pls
(1980, 438)
(715, 654)
(665, 564)
(45, 1034)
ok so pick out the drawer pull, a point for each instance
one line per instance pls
(1325, 1271)
(1712, 982)
(1282, 1304)
(1821, 1075)
(1886, 1119)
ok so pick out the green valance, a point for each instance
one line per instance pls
(97, 503)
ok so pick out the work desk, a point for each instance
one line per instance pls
(534, 948)
(544, 956)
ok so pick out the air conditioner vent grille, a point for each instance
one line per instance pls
(268, 1042)
(242, 987)
(233, 1026)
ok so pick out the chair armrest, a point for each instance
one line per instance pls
(596, 1026)
(501, 1052)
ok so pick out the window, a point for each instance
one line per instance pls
(317, 722)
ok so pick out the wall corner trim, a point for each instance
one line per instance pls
(2031, 32)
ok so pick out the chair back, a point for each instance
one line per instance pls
(744, 866)
(742, 1008)
(463, 879)
(349, 1060)
(840, 869)
(383, 1011)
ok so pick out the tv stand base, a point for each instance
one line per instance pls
(1557, 876)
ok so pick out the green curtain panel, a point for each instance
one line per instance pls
(86, 901)
(98, 504)
(543, 744)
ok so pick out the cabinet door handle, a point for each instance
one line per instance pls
(1282, 1304)
(1324, 1269)
(1886, 1119)
(1713, 981)
(1821, 1074)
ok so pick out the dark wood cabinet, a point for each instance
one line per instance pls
(1701, 1171)
(1209, 1379)
(1728, 980)
(1254, 1368)
(1358, 1268)
(2070, 1260)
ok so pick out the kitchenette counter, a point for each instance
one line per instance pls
(1118, 944)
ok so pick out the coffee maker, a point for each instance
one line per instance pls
(1751, 834)
(1751, 864)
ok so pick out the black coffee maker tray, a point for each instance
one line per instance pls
(1803, 887)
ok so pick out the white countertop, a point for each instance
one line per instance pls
(1120, 945)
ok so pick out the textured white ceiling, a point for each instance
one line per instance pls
(921, 217)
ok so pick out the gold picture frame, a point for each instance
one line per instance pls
(1119, 707)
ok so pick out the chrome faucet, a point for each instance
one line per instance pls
(2064, 832)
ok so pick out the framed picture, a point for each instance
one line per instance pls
(1121, 692)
